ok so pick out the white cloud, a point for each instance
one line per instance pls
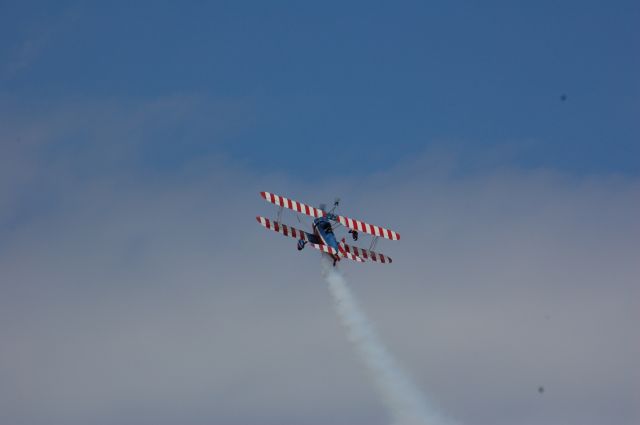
(160, 300)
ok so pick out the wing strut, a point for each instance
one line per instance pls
(374, 242)
(278, 220)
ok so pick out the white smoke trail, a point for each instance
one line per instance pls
(404, 400)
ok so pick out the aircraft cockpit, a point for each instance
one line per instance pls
(325, 226)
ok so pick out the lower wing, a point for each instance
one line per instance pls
(351, 256)
(313, 240)
(366, 254)
(332, 251)
(287, 230)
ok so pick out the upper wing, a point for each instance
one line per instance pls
(292, 205)
(358, 225)
(365, 253)
(371, 229)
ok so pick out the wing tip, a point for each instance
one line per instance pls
(264, 195)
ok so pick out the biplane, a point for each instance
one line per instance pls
(323, 236)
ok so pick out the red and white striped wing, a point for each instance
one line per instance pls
(324, 248)
(351, 223)
(371, 229)
(282, 228)
(366, 254)
(330, 250)
(292, 205)
(351, 256)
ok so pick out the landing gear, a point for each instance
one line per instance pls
(301, 244)
(335, 260)
(354, 234)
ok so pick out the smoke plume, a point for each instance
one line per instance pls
(403, 399)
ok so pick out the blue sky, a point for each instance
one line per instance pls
(137, 287)
(373, 83)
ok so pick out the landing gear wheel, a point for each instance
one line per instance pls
(354, 234)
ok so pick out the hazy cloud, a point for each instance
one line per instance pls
(130, 295)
